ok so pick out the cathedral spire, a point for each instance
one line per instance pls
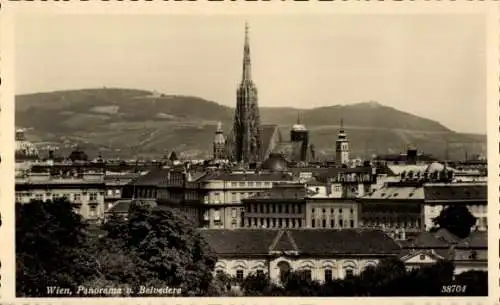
(247, 63)
(298, 118)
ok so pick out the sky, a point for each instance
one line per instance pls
(433, 66)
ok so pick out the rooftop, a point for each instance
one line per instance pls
(304, 241)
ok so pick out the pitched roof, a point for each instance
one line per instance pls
(428, 240)
(286, 191)
(123, 206)
(396, 193)
(455, 192)
(305, 241)
(443, 239)
(239, 241)
(269, 135)
(120, 206)
(476, 239)
(289, 150)
(261, 176)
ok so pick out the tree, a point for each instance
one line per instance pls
(475, 282)
(51, 243)
(457, 219)
(298, 283)
(161, 247)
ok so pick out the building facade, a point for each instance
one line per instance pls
(224, 192)
(472, 195)
(322, 255)
(85, 191)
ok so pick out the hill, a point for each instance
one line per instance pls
(126, 122)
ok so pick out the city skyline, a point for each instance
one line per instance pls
(429, 82)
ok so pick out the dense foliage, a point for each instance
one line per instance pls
(156, 247)
(389, 278)
(153, 248)
(51, 248)
(457, 219)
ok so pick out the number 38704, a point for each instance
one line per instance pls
(453, 288)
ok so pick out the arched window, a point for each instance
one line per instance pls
(240, 274)
(328, 275)
(284, 268)
(349, 269)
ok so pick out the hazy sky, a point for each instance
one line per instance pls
(433, 66)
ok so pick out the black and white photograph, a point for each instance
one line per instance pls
(251, 155)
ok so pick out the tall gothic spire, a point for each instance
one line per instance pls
(247, 63)
(246, 128)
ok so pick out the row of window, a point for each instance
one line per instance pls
(250, 183)
(252, 222)
(393, 222)
(306, 273)
(323, 223)
(75, 197)
(332, 211)
(275, 208)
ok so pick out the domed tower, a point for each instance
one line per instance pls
(342, 146)
(219, 144)
(300, 134)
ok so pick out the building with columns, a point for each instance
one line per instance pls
(224, 193)
(322, 255)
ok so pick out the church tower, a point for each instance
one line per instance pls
(219, 143)
(299, 134)
(342, 146)
(246, 129)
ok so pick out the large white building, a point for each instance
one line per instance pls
(322, 254)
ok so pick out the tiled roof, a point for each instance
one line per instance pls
(305, 241)
(153, 177)
(404, 158)
(396, 193)
(289, 150)
(428, 240)
(284, 243)
(476, 239)
(269, 134)
(284, 192)
(456, 192)
(240, 241)
(262, 176)
(444, 239)
(121, 206)
(398, 169)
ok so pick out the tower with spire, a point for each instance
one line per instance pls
(247, 129)
(341, 146)
(219, 144)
